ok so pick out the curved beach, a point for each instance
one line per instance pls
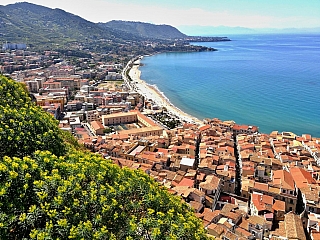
(152, 92)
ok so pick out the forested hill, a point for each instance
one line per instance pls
(35, 24)
(26, 22)
(146, 30)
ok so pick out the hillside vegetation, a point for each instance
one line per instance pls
(31, 23)
(145, 30)
(51, 189)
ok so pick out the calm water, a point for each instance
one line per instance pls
(271, 81)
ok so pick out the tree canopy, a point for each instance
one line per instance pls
(48, 191)
(84, 196)
(25, 127)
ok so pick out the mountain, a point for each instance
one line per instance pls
(25, 21)
(38, 25)
(145, 30)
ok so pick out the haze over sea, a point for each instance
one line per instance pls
(271, 81)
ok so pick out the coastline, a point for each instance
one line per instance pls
(153, 93)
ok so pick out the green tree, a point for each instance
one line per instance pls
(82, 195)
(24, 127)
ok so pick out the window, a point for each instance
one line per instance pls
(291, 201)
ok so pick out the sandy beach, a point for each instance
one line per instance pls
(152, 92)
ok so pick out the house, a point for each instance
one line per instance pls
(210, 216)
(197, 195)
(283, 180)
(96, 127)
(239, 129)
(259, 227)
(212, 188)
(291, 228)
(196, 206)
(186, 182)
(260, 204)
(215, 230)
(244, 233)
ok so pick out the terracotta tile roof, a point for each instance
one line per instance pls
(227, 225)
(243, 233)
(227, 208)
(233, 216)
(199, 193)
(279, 206)
(262, 202)
(281, 231)
(186, 182)
(209, 215)
(301, 177)
(311, 194)
(205, 127)
(284, 179)
(274, 190)
(256, 220)
(244, 224)
(293, 226)
(196, 205)
(216, 228)
(315, 234)
(183, 191)
(231, 236)
(208, 186)
(201, 176)
(261, 186)
(96, 125)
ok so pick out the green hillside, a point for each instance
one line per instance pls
(26, 22)
(37, 25)
(51, 189)
(146, 30)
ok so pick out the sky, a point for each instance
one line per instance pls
(231, 13)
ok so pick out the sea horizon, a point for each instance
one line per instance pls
(266, 80)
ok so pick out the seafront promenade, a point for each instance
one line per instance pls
(153, 93)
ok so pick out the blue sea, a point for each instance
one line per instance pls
(270, 81)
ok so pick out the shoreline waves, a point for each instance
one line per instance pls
(269, 81)
(153, 93)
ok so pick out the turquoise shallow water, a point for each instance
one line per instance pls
(271, 81)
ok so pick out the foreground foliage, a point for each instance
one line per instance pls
(24, 127)
(84, 196)
(49, 189)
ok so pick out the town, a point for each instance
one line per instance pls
(241, 183)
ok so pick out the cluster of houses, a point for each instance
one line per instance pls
(59, 87)
(242, 184)
(20, 60)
